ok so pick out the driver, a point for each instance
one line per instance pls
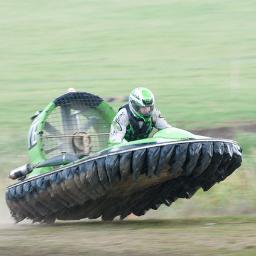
(137, 119)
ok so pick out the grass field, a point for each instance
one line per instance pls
(198, 57)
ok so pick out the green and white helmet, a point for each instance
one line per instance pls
(141, 102)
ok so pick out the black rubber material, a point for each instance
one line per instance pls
(124, 182)
(74, 97)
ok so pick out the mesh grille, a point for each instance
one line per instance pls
(88, 99)
(75, 126)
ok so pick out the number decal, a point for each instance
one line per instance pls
(32, 135)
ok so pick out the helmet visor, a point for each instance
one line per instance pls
(146, 111)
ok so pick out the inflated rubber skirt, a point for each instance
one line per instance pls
(124, 181)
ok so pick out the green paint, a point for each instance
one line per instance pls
(165, 135)
(36, 153)
(107, 111)
(146, 94)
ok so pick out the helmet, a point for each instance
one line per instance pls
(141, 102)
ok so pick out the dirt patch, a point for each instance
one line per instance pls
(228, 131)
(200, 236)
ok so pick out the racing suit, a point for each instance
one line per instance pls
(126, 127)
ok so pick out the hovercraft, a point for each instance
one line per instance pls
(74, 174)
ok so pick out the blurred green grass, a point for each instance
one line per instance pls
(198, 57)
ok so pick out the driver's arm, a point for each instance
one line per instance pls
(159, 121)
(118, 127)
